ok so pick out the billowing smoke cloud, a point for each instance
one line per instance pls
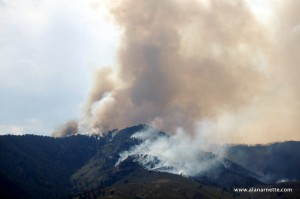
(69, 128)
(205, 71)
(200, 65)
(178, 154)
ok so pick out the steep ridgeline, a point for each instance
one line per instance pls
(83, 166)
(41, 167)
(98, 171)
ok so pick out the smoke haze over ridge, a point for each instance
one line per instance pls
(210, 68)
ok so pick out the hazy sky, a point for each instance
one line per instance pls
(48, 50)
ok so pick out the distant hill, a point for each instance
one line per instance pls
(40, 167)
(277, 162)
(83, 166)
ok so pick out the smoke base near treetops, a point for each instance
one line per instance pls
(209, 68)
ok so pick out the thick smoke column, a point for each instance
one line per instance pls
(208, 67)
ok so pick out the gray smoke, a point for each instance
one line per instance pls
(210, 68)
(69, 128)
(178, 154)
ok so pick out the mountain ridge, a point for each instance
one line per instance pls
(47, 167)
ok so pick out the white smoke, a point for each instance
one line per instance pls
(178, 153)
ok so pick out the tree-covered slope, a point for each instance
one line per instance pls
(40, 167)
(83, 166)
(274, 162)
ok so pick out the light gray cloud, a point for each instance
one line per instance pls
(178, 154)
(191, 63)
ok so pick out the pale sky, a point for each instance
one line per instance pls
(48, 50)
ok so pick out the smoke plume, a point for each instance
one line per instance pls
(69, 128)
(178, 154)
(198, 65)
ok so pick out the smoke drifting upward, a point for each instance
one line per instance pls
(208, 67)
(69, 128)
